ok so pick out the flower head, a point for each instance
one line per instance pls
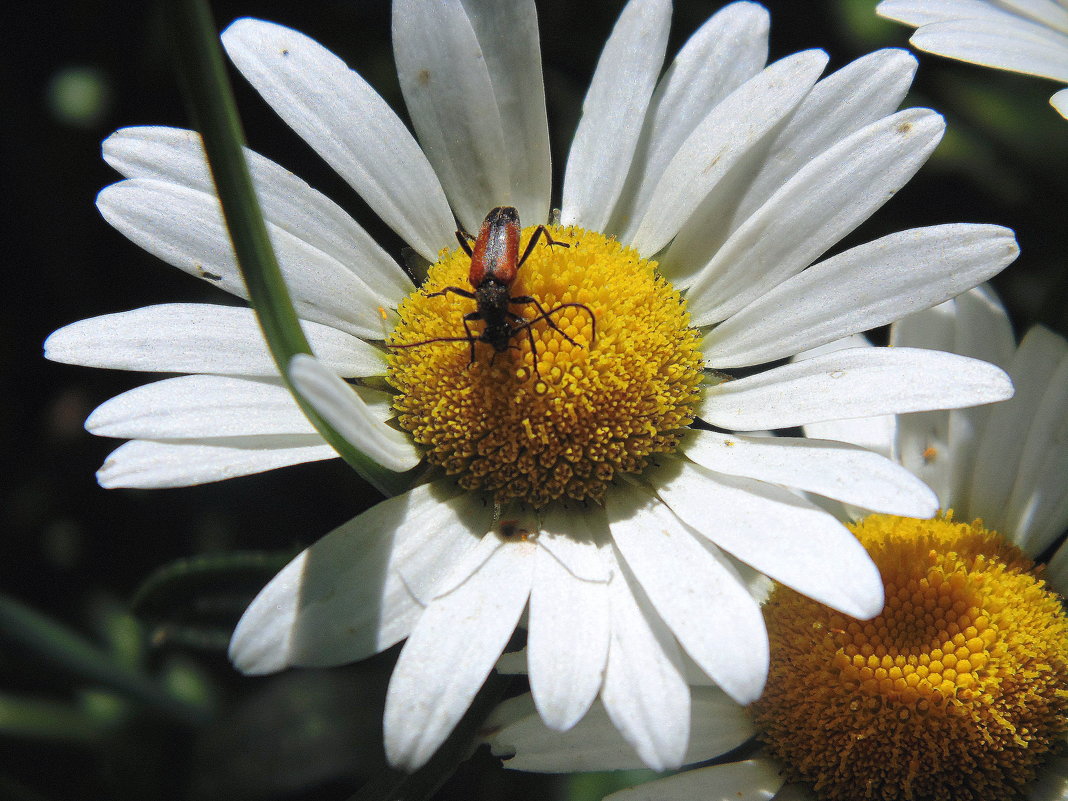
(958, 689)
(1031, 38)
(568, 477)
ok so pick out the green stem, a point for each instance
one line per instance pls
(201, 66)
(25, 630)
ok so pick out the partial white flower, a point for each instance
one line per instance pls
(573, 486)
(1028, 36)
(1006, 464)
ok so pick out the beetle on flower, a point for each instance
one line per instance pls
(694, 207)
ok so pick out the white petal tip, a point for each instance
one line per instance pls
(562, 720)
(865, 608)
(1060, 102)
(254, 663)
(240, 25)
(407, 756)
(343, 409)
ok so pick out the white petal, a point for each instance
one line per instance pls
(859, 94)
(855, 96)
(176, 156)
(1038, 511)
(567, 644)
(194, 406)
(341, 599)
(859, 382)
(431, 572)
(721, 140)
(592, 744)
(752, 780)
(612, 114)
(1001, 448)
(1048, 12)
(450, 652)
(1021, 47)
(346, 411)
(1037, 508)
(725, 52)
(577, 537)
(199, 338)
(514, 60)
(862, 288)
(1059, 101)
(336, 112)
(982, 328)
(922, 443)
(471, 78)
(146, 464)
(1057, 570)
(815, 209)
(645, 691)
(695, 591)
(939, 447)
(719, 725)
(832, 469)
(923, 12)
(185, 228)
(778, 533)
(873, 433)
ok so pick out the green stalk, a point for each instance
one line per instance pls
(213, 107)
(25, 630)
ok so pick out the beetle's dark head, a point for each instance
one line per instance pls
(503, 215)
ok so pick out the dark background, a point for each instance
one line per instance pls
(72, 72)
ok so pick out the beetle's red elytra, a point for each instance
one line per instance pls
(495, 263)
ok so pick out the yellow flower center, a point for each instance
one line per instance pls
(549, 418)
(957, 691)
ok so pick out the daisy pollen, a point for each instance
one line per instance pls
(588, 406)
(958, 690)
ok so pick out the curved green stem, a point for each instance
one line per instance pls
(201, 65)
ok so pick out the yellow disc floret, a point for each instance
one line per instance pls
(561, 420)
(957, 691)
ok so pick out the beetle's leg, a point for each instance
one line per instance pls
(534, 351)
(539, 231)
(463, 293)
(542, 315)
(465, 240)
(471, 338)
(547, 316)
(430, 341)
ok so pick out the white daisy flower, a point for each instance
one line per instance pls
(1028, 36)
(567, 477)
(959, 688)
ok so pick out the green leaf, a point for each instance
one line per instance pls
(201, 65)
(235, 573)
(42, 719)
(30, 632)
(195, 602)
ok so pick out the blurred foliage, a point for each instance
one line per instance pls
(113, 679)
